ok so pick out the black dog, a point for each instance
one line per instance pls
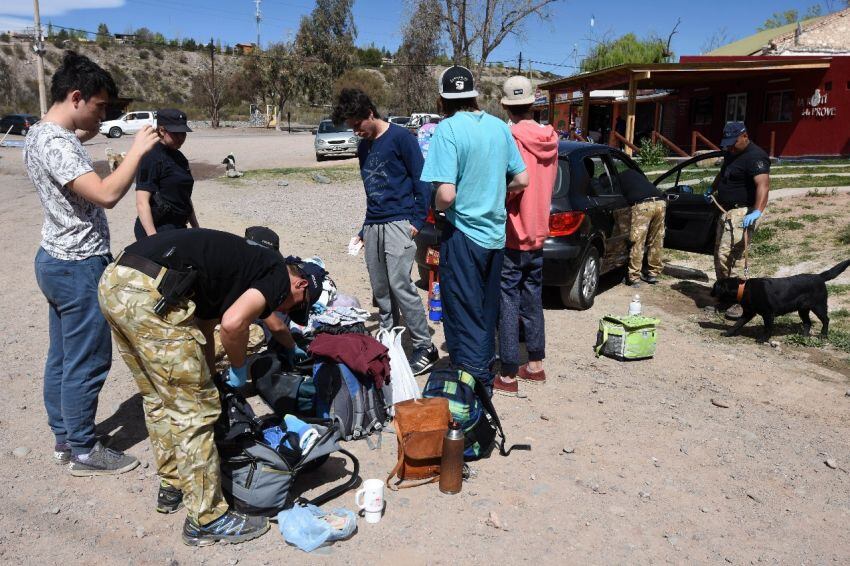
(773, 297)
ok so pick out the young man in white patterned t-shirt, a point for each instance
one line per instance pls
(73, 254)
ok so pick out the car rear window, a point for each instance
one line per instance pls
(562, 180)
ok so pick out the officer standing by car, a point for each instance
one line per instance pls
(164, 182)
(740, 191)
(163, 297)
(646, 232)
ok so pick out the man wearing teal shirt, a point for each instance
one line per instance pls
(473, 162)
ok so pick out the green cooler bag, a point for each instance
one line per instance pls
(626, 337)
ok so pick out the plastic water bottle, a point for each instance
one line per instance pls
(634, 306)
(435, 305)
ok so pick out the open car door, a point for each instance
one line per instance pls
(691, 222)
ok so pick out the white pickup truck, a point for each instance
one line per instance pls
(129, 123)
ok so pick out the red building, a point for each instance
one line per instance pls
(792, 105)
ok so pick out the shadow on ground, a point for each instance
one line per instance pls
(126, 426)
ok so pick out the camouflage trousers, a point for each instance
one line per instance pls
(647, 229)
(181, 403)
(729, 242)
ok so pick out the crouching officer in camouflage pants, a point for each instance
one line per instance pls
(647, 226)
(163, 297)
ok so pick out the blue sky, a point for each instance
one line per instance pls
(556, 42)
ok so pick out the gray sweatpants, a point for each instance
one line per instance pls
(390, 252)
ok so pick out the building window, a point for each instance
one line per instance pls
(779, 106)
(701, 110)
(736, 107)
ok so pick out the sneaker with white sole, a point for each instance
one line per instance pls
(102, 461)
(61, 453)
(232, 528)
(423, 359)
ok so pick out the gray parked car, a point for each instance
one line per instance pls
(333, 140)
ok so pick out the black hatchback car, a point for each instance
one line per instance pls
(19, 123)
(589, 222)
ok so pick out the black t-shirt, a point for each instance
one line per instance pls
(636, 187)
(166, 175)
(736, 186)
(227, 263)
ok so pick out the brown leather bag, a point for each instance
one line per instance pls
(420, 426)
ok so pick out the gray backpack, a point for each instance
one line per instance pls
(357, 406)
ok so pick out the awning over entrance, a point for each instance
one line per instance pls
(675, 75)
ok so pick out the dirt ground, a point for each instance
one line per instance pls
(631, 463)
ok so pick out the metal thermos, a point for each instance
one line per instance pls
(451, 464)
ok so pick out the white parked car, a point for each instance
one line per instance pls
(129, 123)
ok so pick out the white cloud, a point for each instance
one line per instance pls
(14, 24)
(57, 7)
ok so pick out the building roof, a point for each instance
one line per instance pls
(675, 75)
(753, 44)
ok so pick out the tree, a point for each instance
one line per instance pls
(325, 43)
(624, 50)
(211, 88)
(103, 37)
(274, 77)
(414, 84)
(476, 28)
(370, 81)
(779, 19)
(370, 56)
(718, 39)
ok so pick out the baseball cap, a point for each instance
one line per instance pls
(172, 120)
(315, 277)
(518, 91)
(457, 82)
(731, 132)
(262, 236)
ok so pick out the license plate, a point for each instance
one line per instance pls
(432, 256)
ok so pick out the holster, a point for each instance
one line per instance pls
(174, 287)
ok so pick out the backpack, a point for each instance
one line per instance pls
(631, 337)
(285, 391)
(469, 405)
(359, 407)
(256, 478)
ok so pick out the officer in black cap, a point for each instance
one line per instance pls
(740, 191)
(164, 182)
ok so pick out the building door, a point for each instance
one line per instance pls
(736, 107)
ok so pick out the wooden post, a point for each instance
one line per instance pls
(630, 114)
(693, 143)
(585, 111)
(772, 143)
(656, 121)
(552, 109)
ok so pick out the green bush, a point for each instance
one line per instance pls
(788, 224)
(766, 248)
(7, 50)
(19, 52)
(651, 154)
(844, 235)
(763, 234)
(144, 55)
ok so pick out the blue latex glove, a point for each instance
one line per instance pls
(237, 377)
(296, 355)
(707, 195)
(750, 219)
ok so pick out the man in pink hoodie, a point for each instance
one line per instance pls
(526, 229)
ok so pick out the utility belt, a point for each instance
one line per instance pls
(174, 286)
(162, 210)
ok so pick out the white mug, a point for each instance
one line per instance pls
(370, 498)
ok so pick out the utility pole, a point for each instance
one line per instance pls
(213, 91)
(38, 47)
(519, 67)
(259, 17)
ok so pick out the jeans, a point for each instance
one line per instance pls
(470, 279)
(522, 300)
(390, 251)
(80, 352)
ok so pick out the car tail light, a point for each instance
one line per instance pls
(430, 218)
(565, 223)
(26, 123)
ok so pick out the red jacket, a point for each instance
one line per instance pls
(363, 355)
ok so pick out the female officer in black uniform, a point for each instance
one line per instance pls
(164, 182)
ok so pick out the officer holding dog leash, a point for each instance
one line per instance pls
(163, 297)
(740, 191)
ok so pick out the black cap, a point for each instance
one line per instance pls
(172, 120)
(262, 236)
(457, 82)
(731, 132)
(315, 277)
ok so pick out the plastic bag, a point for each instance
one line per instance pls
(402, 385)
(308, 526)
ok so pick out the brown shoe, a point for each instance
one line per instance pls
(532, 376)
(505, 387)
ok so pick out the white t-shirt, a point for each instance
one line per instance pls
(74, 228)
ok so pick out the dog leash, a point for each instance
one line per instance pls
(743, 282)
